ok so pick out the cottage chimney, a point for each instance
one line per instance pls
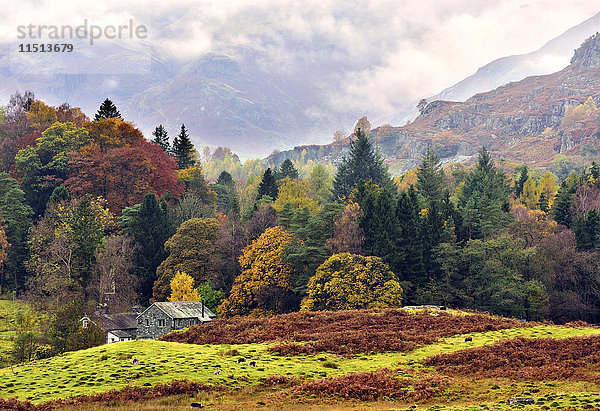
(202, 310)
(137, 309)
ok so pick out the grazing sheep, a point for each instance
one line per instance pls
(252, 363)
(217, 372)
(135, 361)
(241, 360)
(469, 339)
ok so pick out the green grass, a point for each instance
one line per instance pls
(8, 315)
(110, 366)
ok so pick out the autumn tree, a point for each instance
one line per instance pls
(192, 250)
(263, 218)
(295, 193)
(348, 237)
(123, 175)
(41, 116)
(349, 281)
(114, 133)
(362, 126)
(107, 110)
(264, 286)
(46, 166)
(67, 114)
(182, 288)
(320, 183)
(64, 248)
(113, 284)
(231, 240)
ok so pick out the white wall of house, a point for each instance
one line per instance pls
(111, 338)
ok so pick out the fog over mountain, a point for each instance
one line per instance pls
(260, 75)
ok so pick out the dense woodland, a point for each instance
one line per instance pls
(92, 213)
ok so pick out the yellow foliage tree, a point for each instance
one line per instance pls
(41, 116)
(182, 288)
(350, 281)
(530, 196)
(297, 194)
(548, 187)
(265, 282)
(408, 179)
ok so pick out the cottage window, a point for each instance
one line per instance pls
(147, 322)
(161, 322)
(84, 324)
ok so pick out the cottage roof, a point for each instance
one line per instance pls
(123, 333)
(110, 322)
(185, 309)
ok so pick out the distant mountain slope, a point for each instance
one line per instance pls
(546, 60)
(527, 121)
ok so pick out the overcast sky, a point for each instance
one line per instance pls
(399, 50)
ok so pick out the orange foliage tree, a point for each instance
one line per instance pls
(264, 286)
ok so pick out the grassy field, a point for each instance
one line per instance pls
(8, 315)
(108, 367)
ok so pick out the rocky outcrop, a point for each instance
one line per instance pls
(588, 55)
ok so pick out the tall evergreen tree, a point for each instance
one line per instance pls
(150, 225)
(430, 176)
(161, 138)
(287, 169)
(227, 201)
(362, 165)
(523, 177)
(410, 242)
(17, 215)
(484, 199)
(379, 222)
(87, 235)
(107, 110)
(59, 194)
(183, 149)
(564, 199)
(268, 185)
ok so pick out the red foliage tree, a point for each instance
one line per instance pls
(123, 175)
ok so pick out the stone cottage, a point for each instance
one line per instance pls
(163, 317)
(117, 327)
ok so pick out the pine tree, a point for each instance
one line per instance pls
(183, 149)
(430, 176)
(410, 242)
(58, 195)
(379, 222)
(150, 225)
(107, 110)
(161, 138)
(287, 170)
(362, 165)
(268, 185)
(564, 198)
(523, 177)
(484, 200)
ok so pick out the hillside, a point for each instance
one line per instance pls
(531, 121)
(432, 371)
